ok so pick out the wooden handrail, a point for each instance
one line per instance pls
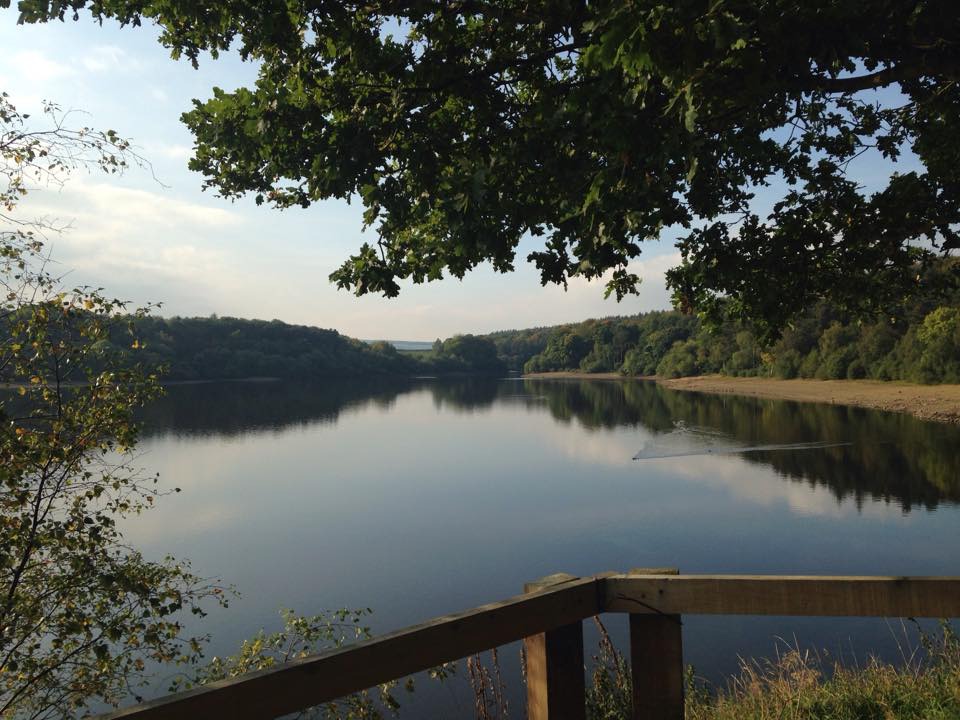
(316, 679)
(303, 683)
(784, 595)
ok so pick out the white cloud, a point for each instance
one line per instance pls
(172, 151)
(108, 57)
(653, 289)
(103, 202)
(524, 303)
(158, 94)
(33, 68)
(144, 245)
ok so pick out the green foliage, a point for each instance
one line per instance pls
(939, 346)
(917, 340)
(610, 694)
(302, 636)
(746, 357)
(565, 349)
(229, 348)
(467, 353)
(223, 348)
(633, 363)
(81, 613)
(682, 360)
(515, 347)
(593, 126)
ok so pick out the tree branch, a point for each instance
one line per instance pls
(881, 78)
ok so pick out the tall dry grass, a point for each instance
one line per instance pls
(800, 685)
(793, 685)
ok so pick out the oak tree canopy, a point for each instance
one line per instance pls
(465, 125)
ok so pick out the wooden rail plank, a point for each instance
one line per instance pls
(556, 689)
(327, 676)
(784, 595)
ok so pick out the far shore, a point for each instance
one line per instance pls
(573, 374)
(928, 402)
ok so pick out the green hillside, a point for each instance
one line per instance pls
(917, 341)
(217, 348)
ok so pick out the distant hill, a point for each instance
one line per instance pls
(916, 340)
(224, 348)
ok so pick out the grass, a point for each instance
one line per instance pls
(800, 685)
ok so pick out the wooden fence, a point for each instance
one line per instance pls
(548, 617)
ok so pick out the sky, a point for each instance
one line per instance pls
(156, 237)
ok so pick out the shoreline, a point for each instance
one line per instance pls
(576, 375)
(940, 403)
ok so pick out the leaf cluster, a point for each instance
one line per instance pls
(300, 637)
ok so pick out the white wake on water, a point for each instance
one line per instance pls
(684, 441)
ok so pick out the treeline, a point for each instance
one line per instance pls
(229, 348)
(226, 348)
(918, 341)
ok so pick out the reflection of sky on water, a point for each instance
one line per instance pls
(747, 482)
(427, 503)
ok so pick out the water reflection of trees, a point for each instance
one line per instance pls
(892, 456)
(465, 394)
(233, 408)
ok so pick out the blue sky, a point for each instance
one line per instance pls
(197, 254)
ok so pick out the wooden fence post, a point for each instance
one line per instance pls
(656, 656)
(555, 684)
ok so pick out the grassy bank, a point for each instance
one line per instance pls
(802, 686)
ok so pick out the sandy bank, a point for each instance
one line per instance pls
(929, 402)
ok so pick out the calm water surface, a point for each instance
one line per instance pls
(428, 497)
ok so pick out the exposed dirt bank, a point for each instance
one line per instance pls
(929, 402)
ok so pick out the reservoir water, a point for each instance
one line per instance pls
(425, 497)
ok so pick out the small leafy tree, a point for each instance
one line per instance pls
(81, 613)
(302, 636)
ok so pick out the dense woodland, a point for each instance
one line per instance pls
(917, 341)
(228, 348)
